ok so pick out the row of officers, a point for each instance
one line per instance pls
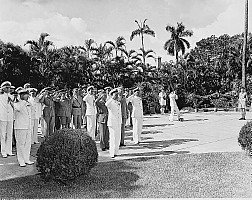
(108, 111)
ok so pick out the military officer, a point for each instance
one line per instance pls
(173, 97)
(102, 120)
(6, 119)
(124, 110)
(46, 98)
(23, 121)
(114, 122)
(137, 115)
(36, 113)
(90, 111)
(64, 111)
(108, 89)
(77, 107)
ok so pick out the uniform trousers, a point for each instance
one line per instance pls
(43, 126)
(34, 125)
(50, 123)
(123, 130)
(23, 138)
(137, 128)
(174, 108)
(91, 125)
(114, 139)
(104, 135)
(6, 131)
(77, 121)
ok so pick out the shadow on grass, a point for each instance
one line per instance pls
(106, 180)
(192, 120)
(160, 144)
(159, 153)
(154, 125)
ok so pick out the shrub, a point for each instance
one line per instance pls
(245, 137)
(66, 154)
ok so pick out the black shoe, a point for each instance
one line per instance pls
(103, 149)
(107, 148)
(242, 118)
(122, 145)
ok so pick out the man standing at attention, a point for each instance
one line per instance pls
(102, 120)
(77, 107)
(114, 122)
(49, 110)
(137, 115)
(6, 119)
(243, 98)
(90, 111)
(173, 97)
(162, 101)
(23, 126)
(124, 110)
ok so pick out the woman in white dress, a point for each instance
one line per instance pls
(242, 102)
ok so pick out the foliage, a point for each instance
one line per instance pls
(245, 137)
(66, 154)
(150, 96)
(195, 100)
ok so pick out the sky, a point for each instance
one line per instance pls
(71, 22)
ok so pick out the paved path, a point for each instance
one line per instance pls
(199, 133)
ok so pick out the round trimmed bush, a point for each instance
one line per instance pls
(66, 154)
(245, 137)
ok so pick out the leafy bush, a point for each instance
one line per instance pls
(66, 154)
(194, 100)
(245, 137)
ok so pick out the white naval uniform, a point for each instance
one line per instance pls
(137, 117)
(91, 114)
(6, 124)
(35, 115)
(173, 105)
(162, 100)
(114, 125)
(22, 128)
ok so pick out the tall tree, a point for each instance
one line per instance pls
(177, 42)
(39, 50)
(118, 45)
(88, 48)
(143, 29)
(245, 45)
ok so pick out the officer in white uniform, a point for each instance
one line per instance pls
(162, 101)
(90, 111)
(137, 115)
(36, 113)
(6, 119)
(22, 128)
(173, 97)
(114, 122)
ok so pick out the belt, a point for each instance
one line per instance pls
(76, 107)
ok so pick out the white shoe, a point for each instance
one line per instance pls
(22, 165)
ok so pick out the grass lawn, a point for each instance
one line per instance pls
(211, 175)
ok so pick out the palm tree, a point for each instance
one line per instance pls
(88, 48)
(245, 45)
(143, 29)
(39, 50)
(143, 55)
(177, 43)
(118, 45)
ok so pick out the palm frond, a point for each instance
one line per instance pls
(135, 33)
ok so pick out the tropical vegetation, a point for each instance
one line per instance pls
(213, 66)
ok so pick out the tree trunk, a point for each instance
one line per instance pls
(245, 45)
(142, 38)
